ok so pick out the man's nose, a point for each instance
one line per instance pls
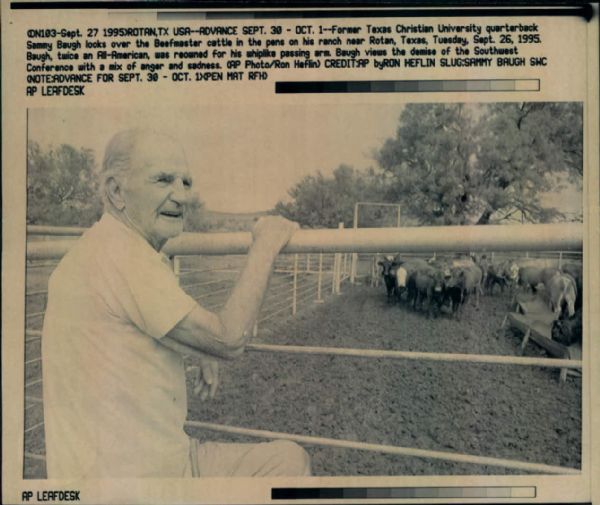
(179, 192)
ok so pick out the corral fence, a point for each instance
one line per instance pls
(326, 256)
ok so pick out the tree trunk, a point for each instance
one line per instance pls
(485, 217)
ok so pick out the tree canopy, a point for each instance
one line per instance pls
(62, 187)
(456, 164)
(460, 164)
(319, 201)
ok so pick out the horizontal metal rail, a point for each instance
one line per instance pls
(34, 427)
(31, 455)
(183, 273)
(33, 335)
(211, 293)
(411, 355)
(389, 449)
(206, 283)
(420, 356)
(33, 229)
(279, 303)
(36, 293)
(270, 315)
(524, 237)
(33, 383)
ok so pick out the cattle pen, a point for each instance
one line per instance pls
(313, 263)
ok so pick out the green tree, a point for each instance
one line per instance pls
(62, 187)
(523, 150)
(323, 202)
(464, 164)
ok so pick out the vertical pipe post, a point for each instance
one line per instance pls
(295, 285)
(560, 259)
(333, 271)
(320, 278)
(307, 262)
(373, 270)
(338, 270)
(354, 255)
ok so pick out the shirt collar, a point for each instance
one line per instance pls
(113, 226)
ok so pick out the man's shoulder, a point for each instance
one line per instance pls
(82, 255)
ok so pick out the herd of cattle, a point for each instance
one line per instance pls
(444, 284)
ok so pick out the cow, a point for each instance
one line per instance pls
(426, 283)
(463, 282)
(388, 272)
(494, 276)
(503, 274)
(403, 271)
(575, 271)
(510, 271)
(547, 274)
(530, 277)
(484, 263)
(568, 331)
(563, 293)
(453, 293)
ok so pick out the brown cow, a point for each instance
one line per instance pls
(563, 294)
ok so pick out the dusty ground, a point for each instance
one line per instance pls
(501, 411)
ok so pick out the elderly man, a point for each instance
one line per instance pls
(117, 324)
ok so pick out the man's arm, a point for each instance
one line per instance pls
(225, 334)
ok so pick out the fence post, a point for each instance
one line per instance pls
(320, 278)
(308, 263)
(354, 255)
(560, 260)
(177, 267)
(333, 271)
(338, 270)
(373, 263)
(295, 285)
(255, 329)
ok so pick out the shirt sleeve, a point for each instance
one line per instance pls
(149, 295)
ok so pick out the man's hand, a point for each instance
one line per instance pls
(273, 232)
(206, 379)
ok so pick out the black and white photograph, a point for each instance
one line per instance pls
(343, 289)
(300, 253)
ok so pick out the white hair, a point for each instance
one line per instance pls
(118, 154)
(117, 158)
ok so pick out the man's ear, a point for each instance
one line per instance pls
(114, 192)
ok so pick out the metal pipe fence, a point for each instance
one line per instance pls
(321, 258)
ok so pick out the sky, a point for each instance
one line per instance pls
(246, 158)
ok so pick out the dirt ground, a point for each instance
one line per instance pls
(520, 413)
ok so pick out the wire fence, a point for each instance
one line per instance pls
(298, 282)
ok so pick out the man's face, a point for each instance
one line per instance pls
(156, 189)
